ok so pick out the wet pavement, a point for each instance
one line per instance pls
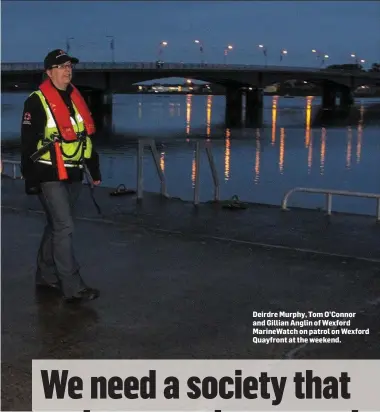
(171, 289)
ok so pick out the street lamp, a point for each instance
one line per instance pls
(161, 47)
(261, 46)
(112, 46)
(325, 56)
(353, 55)
(283, 53)
(226, 50)
(200, 49)
(357, 60)
(319, 55)
(68, 43)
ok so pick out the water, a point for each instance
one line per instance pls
(258, 165)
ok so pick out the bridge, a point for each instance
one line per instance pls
(98, 81)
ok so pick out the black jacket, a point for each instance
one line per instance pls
(32, 130)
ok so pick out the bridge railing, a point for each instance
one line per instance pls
(153, 66)
(34, 66)
(329, 194)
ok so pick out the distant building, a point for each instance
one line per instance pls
(271, 89)
(161, 88)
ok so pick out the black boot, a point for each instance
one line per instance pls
(83, 295)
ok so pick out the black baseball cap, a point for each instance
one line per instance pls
(58, 56)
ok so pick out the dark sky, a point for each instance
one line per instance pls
(30, 29)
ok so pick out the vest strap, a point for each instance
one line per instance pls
(61, 113)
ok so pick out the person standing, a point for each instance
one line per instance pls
(56, 149)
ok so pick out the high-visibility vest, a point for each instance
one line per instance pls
(72, 152)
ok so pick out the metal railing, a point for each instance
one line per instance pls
(33, 66)
(140, 167)
(142, 143)
(199, 144)
(14, 164)
(329, 194)
(101, 66)
(214, 173)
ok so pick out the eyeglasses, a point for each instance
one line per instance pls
(63, 66)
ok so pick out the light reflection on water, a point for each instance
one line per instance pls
(258, 165)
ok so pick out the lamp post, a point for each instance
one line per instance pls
(325, 56)
(200, 49)
(283, 53)
(265, 52)
(112, 47)
(353, 55)
(357, 59)
(320, 55)
(68, 43)
(317, 53)
(226, 51)
(161, 47)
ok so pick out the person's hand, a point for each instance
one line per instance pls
(97, 182)
(32, 187)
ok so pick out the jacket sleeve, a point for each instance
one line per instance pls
(93, 164)
(32, 129)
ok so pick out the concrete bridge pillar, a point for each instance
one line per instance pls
(254, 104)
(234, 107)
(100, 105)
(328, 97)
(346, 99)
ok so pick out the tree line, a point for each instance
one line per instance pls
(375, 67)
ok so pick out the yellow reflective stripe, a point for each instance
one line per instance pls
(79, 117)
(51, 122)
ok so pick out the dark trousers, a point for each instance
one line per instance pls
(56, 259)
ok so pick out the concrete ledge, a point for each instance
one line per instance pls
(305, 230)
